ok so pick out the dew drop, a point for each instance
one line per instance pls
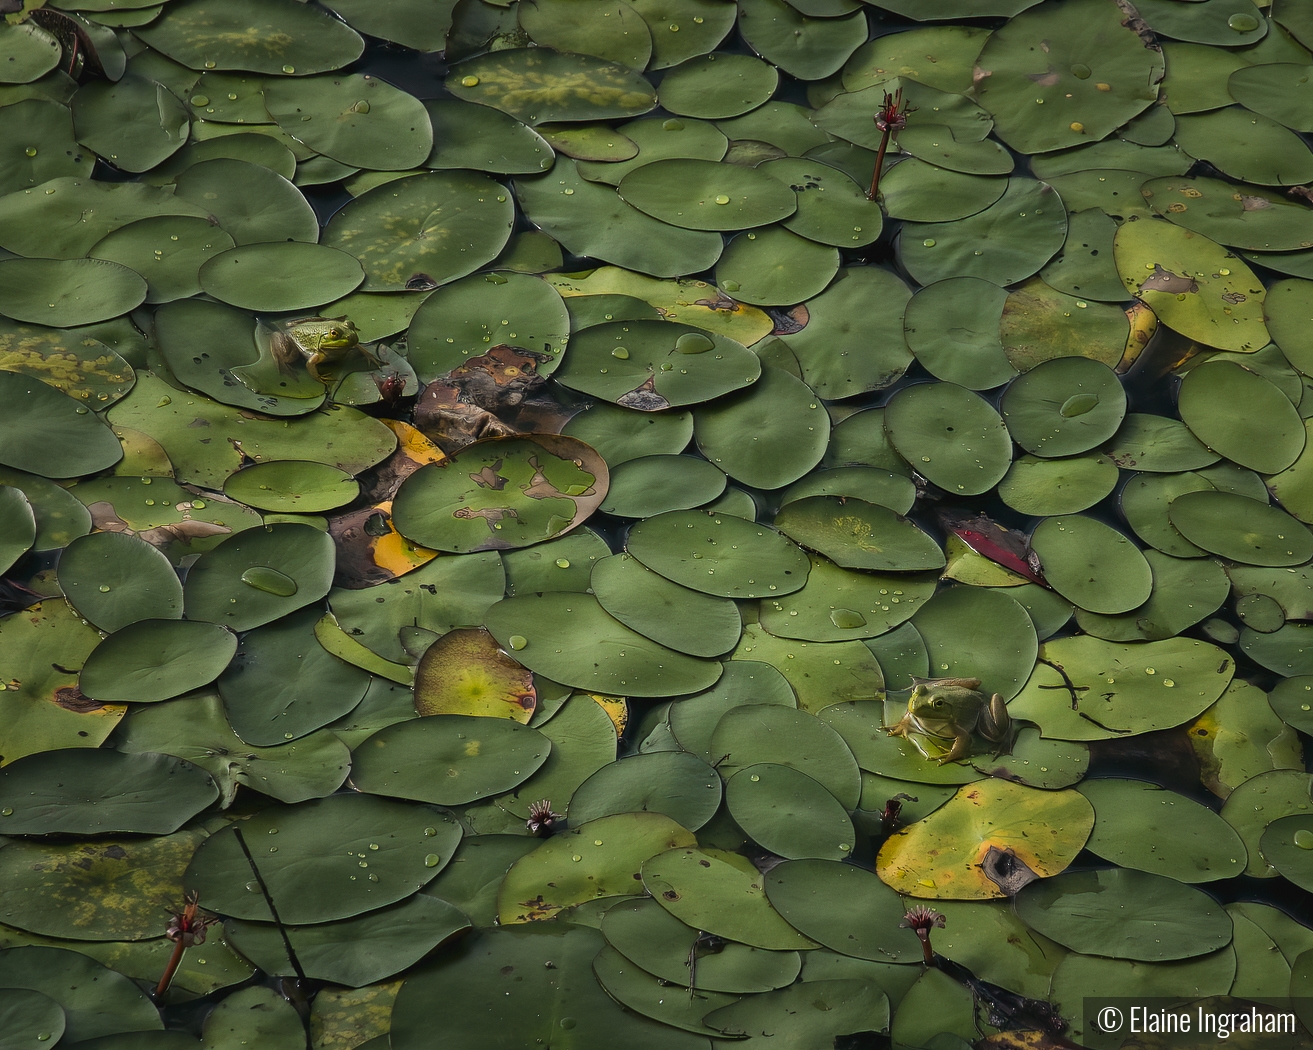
(1242, 23)
(1304, 838)
(518, 641)
(470, 81)
(929, 242)
(271, 581)
(847, 619)
(562, 563)
(104, 588)
(432, 860)
(693, 343)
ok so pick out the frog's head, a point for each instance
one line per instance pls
(326, 333)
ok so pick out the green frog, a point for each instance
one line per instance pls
(953, 709)
(318, 341)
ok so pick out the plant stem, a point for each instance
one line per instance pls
(879, 163)
(171, 969)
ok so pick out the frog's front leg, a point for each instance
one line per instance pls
(961, 747)
(900, 728)
(312, 364)
(995, 722)
(370, 355)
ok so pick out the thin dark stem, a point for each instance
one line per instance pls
(268, 899)
(171, 969)
(879, 163)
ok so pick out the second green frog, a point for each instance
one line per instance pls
(953, 709)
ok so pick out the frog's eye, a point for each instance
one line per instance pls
(939, 702)
(335, 332)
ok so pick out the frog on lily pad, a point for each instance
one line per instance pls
(952, 709)
(317, 341)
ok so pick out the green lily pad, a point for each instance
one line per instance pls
(1259, 801)
(184, 242)
(1241, 529)
(821, 673)
(539, 85)
(788, 813)
(1092, 565)
(1258, 219)
(423, 231)
(1185, 591)
(1082, 62)
(67, 292)
(1064, 407)
(715, 87)
(639, 991)
(656, 484)
(837, 604)
(594, 220)
(73, 362)
(18, 524)
(677, 784)
(1221, 403)
(945, 854)
(280, 277)
(1125, 914)
(258, 1016)
(809, 1010)
(464, 319)
(859, 535)
(196, 729)
(562, 564)
(772, 733)
(97, 890)
(1081, 706)
(720, 555)
(1283, 846)
(1246, 146)
(755, 436)
(655, 139)
(96, 1001)
(29, 1018)
(276, 37)
(114, 579)
(101, 792)
(844, 907)
(685, 620)
(849, 115)
(1015, 237)
(292, 486)
(714, 893)
(151, 660)
(1085, 268)
(918, 191)
(867, 483)
(952, 436)
(1157, 443)
(980, 633)
(45, 128)
(448, 760)
(704, 195)
(803, 47)
(940, 56)
(624, 39)
(952, 328)
(683, 29)
(325, 837)
(1057, 486)
(354, 119)
(467, 135)
(502, 498)
(355, 951)
(251, 203)
(530, 1008)
(616, 661)
(583, 741)
(29, 51)
(1143, 826)
(1225, 22)
(937, 145)
(42, 707)
(65, 217)
(611, 850)
(256, 576)
(645, 932)
(775, 267)
(134, 123)
(283, 684)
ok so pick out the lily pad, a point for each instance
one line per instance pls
(685, 620)
(1015, 237)
(788, 813)
(152, 660)
(276, 37)
(449, 760)
(837, 604)
(719, 554)
(68, 292)
(677, 784)
(329, 837)
(134, 123)
(463, 673)
(423, 231)
(96, 1000)
(99, 792)
(280, 277)
(714, 87)
(1125, 914)
(611, 850)
(538, 85)
(114, 579)
(978, 632)
(1093, 565)
(497, 494)
(354, 119)
(952, 436)
(1059, 486)
(251, 203)
(1246, 146)
(858, 535)
(953, 852)
(256, 576)
(1240, 528)
(571, 639)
